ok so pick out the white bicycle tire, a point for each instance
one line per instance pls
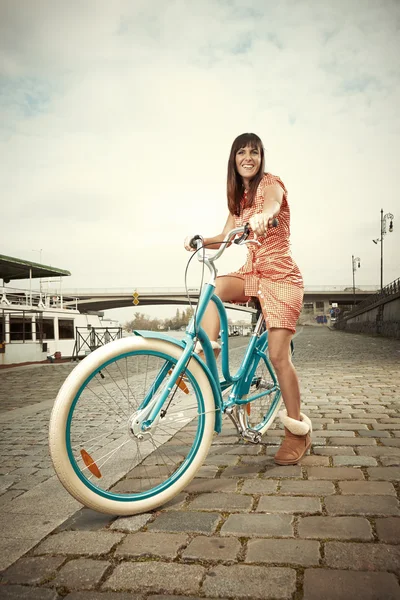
(61, 410)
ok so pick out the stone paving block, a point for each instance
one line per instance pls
(133, 523)
(294, 552)
(307, 488)
(212, 548)
(359, 421)
(80, 542)
(349, 585)
(287, 504)
(334, 473)
(241, 471)
(27, 526)
(391, 442)
(103, 596)
(228, 440)
(86, 520)
(191, 521)
(261, 460)
(387, 426)
(390, 461)
(12, 549)
(259, 486)
(351, 441)
(362, 557)
(223, 502)
(222, 460)
(354, 461)
(81, 574)
(384, 473)
(207, 471)
(32, 570)
(374, 434)
(315, 461)
(334, 451)
(283, 472)
(211, 485)
(177, 502)
(337, 528)
(364, 488)
(333, 434)
(388, 530)
(379, 451)
(21, 592)
(239, 449)
(254, 525)
(48, 498)
(165, 545)
(385, 506)
(346, 426)
(173, 597)
(375, 416)
(144, 577)
(8, 496)
(250, 582)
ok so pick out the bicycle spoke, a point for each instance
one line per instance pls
(102, 419)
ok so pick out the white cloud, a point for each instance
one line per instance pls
(117, 120)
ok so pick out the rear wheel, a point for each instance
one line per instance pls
(99, 456)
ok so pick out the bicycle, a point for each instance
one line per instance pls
(134, 421)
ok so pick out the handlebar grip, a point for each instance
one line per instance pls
(193, 241)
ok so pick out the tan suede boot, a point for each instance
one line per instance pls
(297, 439)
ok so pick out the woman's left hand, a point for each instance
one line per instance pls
(259, 223)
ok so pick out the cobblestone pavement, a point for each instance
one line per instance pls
(328, 529)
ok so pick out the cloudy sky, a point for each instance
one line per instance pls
(116, 121)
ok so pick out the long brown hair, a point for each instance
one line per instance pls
(235, 183)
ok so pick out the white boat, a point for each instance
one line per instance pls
(41, 324)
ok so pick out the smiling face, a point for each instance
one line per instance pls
(248, 162)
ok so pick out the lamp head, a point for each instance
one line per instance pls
(391, 226)
(375, 241)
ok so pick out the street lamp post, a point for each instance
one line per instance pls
(355, 263)
(383, 233)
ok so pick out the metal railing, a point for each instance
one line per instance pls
(88, 339)
(389, 290)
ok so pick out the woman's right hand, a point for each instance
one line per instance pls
(186, 243)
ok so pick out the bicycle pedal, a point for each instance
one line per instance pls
(251, 435)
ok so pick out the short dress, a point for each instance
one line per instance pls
(270, 273)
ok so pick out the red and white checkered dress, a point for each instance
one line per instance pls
(270, 272)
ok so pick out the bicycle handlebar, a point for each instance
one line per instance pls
(197, 242)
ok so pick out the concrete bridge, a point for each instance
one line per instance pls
(317, 297)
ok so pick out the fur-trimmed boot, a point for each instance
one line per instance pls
(297, 439)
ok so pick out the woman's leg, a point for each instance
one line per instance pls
(228, 289)
(280, 356)
(298, 426)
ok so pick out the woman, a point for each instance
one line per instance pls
(269, 274)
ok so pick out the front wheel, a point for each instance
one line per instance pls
(99, 457)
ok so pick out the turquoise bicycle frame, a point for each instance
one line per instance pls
(240, 384)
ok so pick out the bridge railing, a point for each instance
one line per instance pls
(389, 290)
